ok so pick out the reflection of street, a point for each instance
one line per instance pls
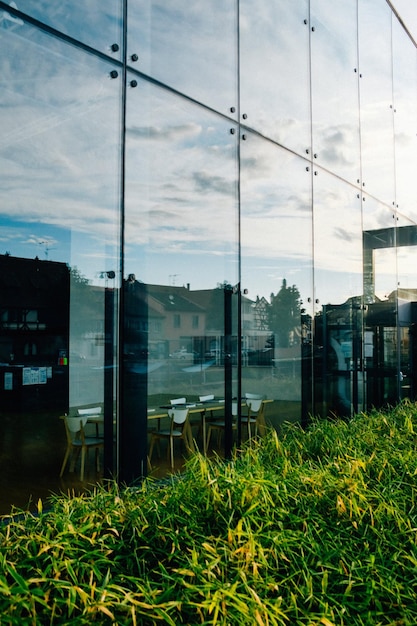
(87, 382)
(176, 376)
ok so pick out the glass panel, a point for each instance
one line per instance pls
(377, 135)
(405, 120)
(180, 258)
(276, 226)
(334, 74)
(59, 207)
(338, 296)
(274, 62)
(406, 240)
(96, 22)
(380, 289)
(190, 46)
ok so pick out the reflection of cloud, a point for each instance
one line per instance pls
(208, 183)
(175, 132)
(341, 233)
(337, 144)
(170, 38)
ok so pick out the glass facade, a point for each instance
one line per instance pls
(199, 202)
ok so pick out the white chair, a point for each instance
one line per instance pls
(253, 396)
(255, 417)
(206, 398)
(179, 430)
(176, 401)
(78, 442)
(202, 426)
(94, 418)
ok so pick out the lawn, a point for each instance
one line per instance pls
(314, 527)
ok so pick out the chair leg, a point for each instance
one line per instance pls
(82, 463)
(75, 455)
(65, 461)
(171, 447)
(208, 439)
(151, 449)
(219, 437)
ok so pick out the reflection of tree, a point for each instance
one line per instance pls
(284, 314)
(77, 278)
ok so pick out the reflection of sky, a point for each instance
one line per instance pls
(274, 84)
(407, 10)
(335, 88)
(190, 46)
(181, 192)
(60, 126)
(94, 22)
(59, 118)
(35, 239)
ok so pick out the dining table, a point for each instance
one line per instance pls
(206, 409)
(201, 408)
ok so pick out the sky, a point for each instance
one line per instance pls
(407, 9)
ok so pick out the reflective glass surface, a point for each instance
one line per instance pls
(405, 121)
(406, 241)
(190, 46)
(334, 79)
(274, 65)
(338, 378)
(60, 114)
(180, 250)
(380, 288)
(376, 103)
(96, 23)
(276, 231)
(162, 240)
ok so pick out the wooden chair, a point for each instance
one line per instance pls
(77, 443)
(95, 419)
(179, 430)
(255, 417)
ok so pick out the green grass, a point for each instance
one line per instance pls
(315, 527)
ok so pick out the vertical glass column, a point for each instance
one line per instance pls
(274, 65)
(376, 99)
(276, 216)
(405, 120)
(334, 86)
(59, 257)
(338, 376)
(277, 303)
(380, 299)
(181, 254)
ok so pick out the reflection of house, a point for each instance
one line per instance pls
(183, 318)
(34, 318)
(168, 320)
(161, 319)
(261, 309)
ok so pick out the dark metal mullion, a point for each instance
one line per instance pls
(239, 245)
